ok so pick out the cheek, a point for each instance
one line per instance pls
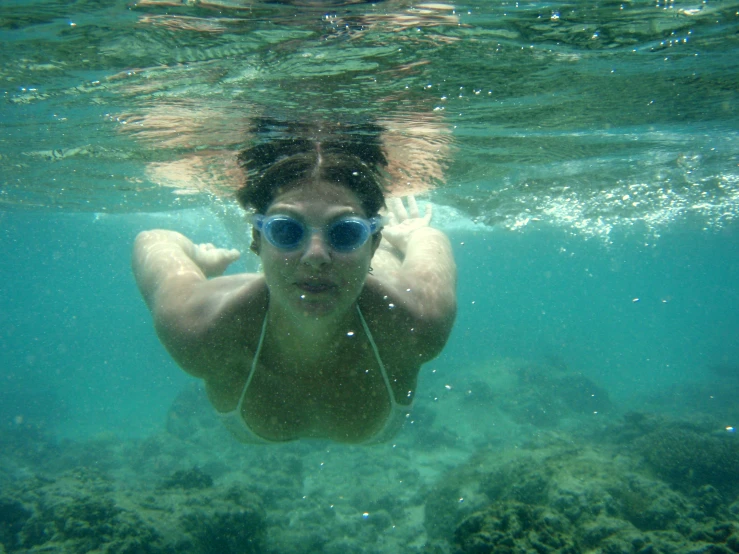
(276, 264)
(356, 268)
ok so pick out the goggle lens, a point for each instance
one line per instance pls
(285, 233)
(347, 234)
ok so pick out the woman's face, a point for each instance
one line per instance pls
(315, 280)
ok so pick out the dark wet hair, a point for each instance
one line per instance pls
(350, 157)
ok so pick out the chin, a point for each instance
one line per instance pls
(315, 309)
(334, 303)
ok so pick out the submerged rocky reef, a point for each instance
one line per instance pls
(84, 511)
(562, 495)
(531, 472)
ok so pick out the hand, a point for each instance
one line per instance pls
(213, 261)
(402, 222)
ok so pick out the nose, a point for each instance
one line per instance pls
(316, 253)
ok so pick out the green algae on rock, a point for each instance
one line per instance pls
(561, 495)
(80, 512)
(188, 479)
(512, 527)
(693, 457)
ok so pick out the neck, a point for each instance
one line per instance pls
(310, 337)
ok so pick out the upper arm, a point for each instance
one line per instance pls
(174, 284)
(195, 318)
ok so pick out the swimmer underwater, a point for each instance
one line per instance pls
(327, 342)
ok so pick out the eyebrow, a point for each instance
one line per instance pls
(289, 210)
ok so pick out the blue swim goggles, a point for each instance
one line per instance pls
(343, 235)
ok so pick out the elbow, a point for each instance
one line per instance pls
(438, 325)
(444, 311)
(447, 319)
(141, 246)
(146, 238)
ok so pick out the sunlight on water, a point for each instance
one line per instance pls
(586, 117)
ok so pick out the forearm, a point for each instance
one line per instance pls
(428, 255)
(161, 255)
(430, 273)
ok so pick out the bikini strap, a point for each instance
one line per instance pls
(366, 332)
(253, 364)
(377, 356)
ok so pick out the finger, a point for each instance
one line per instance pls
(427, 215)
(392, 208)
(392, 205)
(399, 209)
(412, 206)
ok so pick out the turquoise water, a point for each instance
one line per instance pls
(583, 159)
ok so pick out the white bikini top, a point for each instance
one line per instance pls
(235, 423)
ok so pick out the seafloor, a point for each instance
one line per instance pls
(513, 458)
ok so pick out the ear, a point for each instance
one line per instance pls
(256, 241)
(376, 240)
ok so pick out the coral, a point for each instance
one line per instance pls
(83, 512)
(13, 516)
(82, 523)
(513, 527)
(690, 458)
(188, 479)
(562, 497)
(225, 529)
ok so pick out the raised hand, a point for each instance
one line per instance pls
(402, 221)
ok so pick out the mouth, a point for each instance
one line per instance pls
(315, 286)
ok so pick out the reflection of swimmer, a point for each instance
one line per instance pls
(197, 134)
(328, 341)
